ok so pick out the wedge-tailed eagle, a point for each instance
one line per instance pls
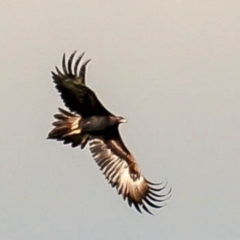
(89, 122)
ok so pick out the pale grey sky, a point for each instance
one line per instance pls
(171, 68)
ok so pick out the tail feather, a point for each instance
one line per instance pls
(66, 113)
(59, 116)
(67, 129)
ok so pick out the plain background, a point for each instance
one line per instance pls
(171, 68)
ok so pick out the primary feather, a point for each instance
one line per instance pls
(90, 122)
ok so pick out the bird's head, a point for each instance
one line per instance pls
(121, 119)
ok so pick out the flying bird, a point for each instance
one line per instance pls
(89, 122)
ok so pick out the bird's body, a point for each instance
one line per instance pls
(98, 123)
(89, 122)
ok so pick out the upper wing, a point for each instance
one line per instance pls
(122, 171)
(74, 92)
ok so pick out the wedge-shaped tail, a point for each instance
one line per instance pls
(67, 129)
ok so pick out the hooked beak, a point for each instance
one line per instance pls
(122, 120)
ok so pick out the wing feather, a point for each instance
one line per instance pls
(123, 173)
(64, 64)
(77, 63)
(70, 63)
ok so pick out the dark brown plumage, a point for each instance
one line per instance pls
(89, 122)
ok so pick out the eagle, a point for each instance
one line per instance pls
(89, 122)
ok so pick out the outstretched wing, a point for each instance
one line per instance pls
(74, 92)
(122, 172)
